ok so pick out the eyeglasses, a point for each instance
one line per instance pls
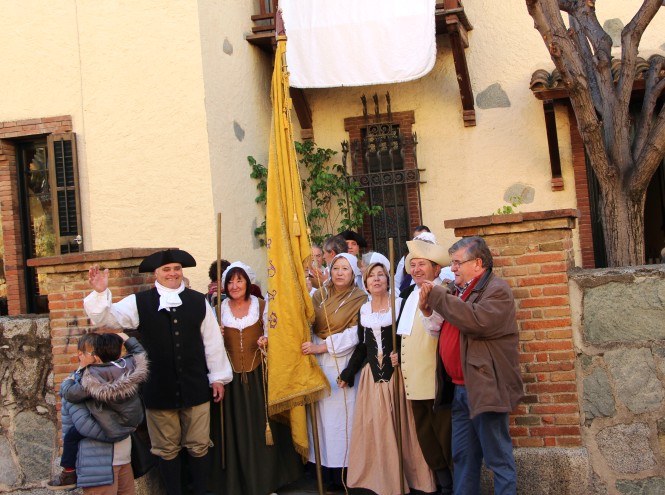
(457, 264)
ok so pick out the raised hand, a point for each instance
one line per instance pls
(425, 289)
(98, 279)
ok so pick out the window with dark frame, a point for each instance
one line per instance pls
(48, 205)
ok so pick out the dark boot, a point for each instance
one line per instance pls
(444, 479)
(66, 481)
(170, 471)
(199, 467)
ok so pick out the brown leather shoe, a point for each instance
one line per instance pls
(66, 481)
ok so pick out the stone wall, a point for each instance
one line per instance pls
(28, 433)
(619, 331)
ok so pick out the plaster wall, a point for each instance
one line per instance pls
(469, 169)
(168, 99)
(236, 77)
(131, 76)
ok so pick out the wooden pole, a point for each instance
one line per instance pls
(219, 320)
(317, 449)
(397, 376)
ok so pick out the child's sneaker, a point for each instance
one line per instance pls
(66, 481)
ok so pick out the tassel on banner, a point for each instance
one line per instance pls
(269, 440)
(296, 225)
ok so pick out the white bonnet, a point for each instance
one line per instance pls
(239, 264)
(426, 236)
(376, 257)
(353, 261)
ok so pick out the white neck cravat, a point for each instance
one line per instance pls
(169, 298)
(409, 313)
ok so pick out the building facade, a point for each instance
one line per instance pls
(128, 124)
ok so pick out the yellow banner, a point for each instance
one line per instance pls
(293, 379)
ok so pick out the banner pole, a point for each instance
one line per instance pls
(397, 376)
(317, 450)
(219, 320)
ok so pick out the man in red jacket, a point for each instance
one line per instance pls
(478, 371)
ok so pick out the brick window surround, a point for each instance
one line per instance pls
(355, 126)
(9, 200)
(581, 192)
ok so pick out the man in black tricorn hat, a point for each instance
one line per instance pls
(179, 330)
(354, 241)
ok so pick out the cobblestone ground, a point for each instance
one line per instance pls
(305, 486)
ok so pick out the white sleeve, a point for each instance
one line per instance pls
(219, 367)
(399, 274)
(342, 343)
(100, 310)
(432, 324)
(265, 319)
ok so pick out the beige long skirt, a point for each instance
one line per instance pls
(374, 459)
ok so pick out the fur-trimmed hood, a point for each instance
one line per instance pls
(117, 380)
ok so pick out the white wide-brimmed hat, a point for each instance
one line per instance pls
(426, 250)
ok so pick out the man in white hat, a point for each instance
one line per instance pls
(421, 233)
(418, 361)
(179, 331)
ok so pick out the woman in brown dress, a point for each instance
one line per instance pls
(374, 459)
(252, 466)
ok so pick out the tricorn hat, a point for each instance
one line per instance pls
(161, 258)
(350, 235)
(427, 250)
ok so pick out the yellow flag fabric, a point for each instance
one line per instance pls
(293, 379)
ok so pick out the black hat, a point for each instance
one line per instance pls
(350, 235)
(161, 258)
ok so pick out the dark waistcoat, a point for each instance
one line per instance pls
(384, 371)
(172, 338)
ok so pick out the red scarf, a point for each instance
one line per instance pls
(449, 348)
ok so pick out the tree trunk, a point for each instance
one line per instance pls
(622, 216)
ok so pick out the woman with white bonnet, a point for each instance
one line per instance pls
(260, 457)
(374, 459)
(335, 336)
(368, 259)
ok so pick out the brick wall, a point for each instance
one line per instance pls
(9, 207)
(533, 253)
(67, 284)
(355, 126)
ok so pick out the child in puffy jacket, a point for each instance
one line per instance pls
(108, 385)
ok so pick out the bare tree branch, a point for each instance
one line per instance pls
(631, 35)
(599, 69)
(651, 156)
(577, 34)
(568, 60)
(623, 164)
(652, 92)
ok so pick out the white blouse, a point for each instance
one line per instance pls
(252, 316)
(379, 319)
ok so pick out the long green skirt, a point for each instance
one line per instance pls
(252, 467)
